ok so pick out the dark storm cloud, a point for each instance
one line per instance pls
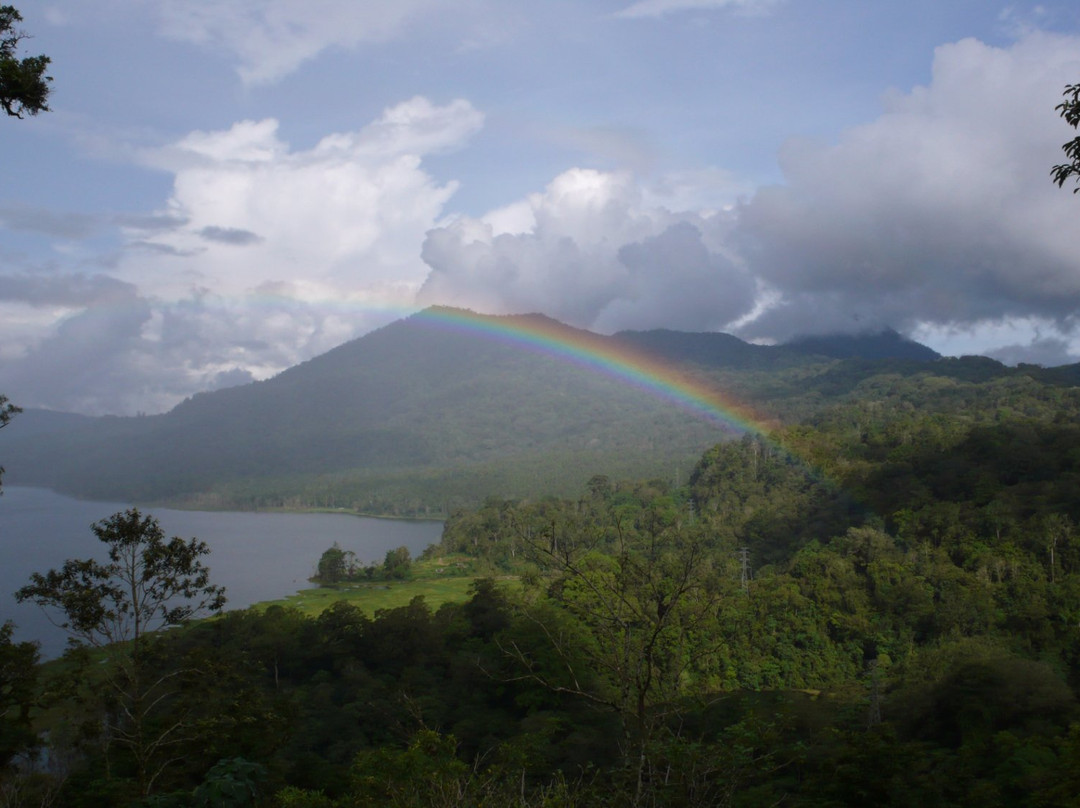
(1048, 352)
(940, 212)
(937, 216)
(704, 293)
(80, 366)
(89, 361)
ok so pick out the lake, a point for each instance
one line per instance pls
(255, 556)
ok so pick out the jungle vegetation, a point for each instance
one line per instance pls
(880, 603)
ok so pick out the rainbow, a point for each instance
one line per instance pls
(607, 356)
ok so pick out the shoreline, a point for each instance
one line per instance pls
(180, 506)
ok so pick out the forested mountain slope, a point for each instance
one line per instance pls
(876, 605)
(415, 419)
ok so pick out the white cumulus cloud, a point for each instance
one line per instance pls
(342, 218)
(262, 257)
(591, 251)
(938, 217)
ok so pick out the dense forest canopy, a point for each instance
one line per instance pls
(878, 603)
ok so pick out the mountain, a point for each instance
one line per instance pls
(887, 344)
(436, 412)
(710, 350)
(446, 407)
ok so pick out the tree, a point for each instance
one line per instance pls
(24, 87)
(332, 565)
(148, 584)
(1070, 111)
(7, 410)
(626, 628)
(231, 783)
(18, 676)
(397, 563)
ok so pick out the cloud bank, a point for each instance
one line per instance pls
(262, 257)
(591, 252)
(937, 218)
(939, 214)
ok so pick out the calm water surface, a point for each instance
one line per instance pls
(255, 556)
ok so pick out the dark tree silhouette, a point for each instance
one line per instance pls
(24, 87)
(148, 583)
(1070, 111)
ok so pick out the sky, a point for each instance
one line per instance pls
(225, 188)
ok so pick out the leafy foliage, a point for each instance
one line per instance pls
(18, 696)
(876, 605)
(24, 87)
(148, 583)
(7, 411)
(334, 565)
(1070, 111)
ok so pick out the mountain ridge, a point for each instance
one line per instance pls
(430, 414)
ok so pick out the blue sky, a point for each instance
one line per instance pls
(224, 188)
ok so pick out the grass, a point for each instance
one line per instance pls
(438, 581)
(375, 596)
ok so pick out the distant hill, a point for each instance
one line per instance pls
(420, 416)
(887, 344)
(712, 350)
(31, 423)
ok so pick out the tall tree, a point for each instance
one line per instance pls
(628, 626)
(335, 564)
(18, 674)
(148, 583)
(24, 87)
(1070, 111)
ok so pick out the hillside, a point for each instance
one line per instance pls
(877, 605)
(408, 412)
(421, 416)
(880, 345)
(875, 602)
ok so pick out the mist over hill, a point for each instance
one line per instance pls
(416, 419)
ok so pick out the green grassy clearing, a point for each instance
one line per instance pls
(439, 581)
(375, 596)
